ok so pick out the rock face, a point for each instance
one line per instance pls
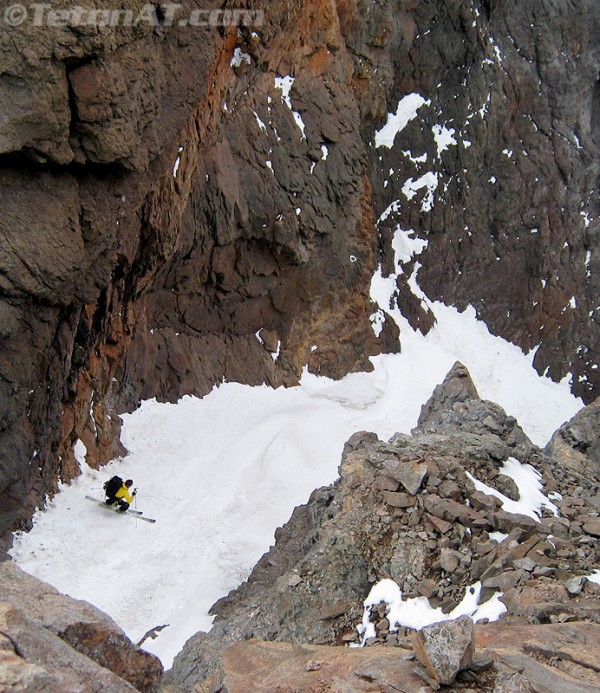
(502, 653)
(183, 203)
(158, 238)
(50, 642)
(444, 538)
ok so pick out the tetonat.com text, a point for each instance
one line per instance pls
(164, 15)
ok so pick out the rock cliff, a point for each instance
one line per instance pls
(182, 203)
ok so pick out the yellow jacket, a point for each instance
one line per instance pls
(123, 492)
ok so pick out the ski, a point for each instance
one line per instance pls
(138, 514)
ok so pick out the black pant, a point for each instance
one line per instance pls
(123, 504)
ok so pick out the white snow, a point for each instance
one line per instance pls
(405, 246)
(394, 207)
(239, 57)
(428, 180)
(80, 452)
(396, 122)
(498, 537)
(415, 159)
(417, 612)
(260, 123)
(444, 138)
(177, 162)
(528, 481)
(285, 84)
(219, 474)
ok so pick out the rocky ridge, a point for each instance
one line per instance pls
(409, 510)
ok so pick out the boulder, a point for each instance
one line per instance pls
(409, 474)
(446, 648)
(83, 633)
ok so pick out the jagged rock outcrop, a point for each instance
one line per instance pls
(420, 509)
(50, 642)
(172, 215)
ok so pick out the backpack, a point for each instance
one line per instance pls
(112, 486)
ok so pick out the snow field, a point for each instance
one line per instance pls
(221, 473)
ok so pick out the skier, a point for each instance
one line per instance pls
(121, 496)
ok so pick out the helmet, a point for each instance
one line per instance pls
(129, 483)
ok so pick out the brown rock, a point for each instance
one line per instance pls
(33, 658)
(427, 588)
(398, 500)
(449, 489)
(265, 667)
(505, 522)
(537, 602)
(451, 511)
(333, 611)
(544, 655)
(484, 502)
(78, 624)
(592, 526)
(441, 525)
(449, 560)
(386, 483)
(445, 648)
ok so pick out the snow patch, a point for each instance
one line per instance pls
(396, 122)
(80, 452)
(418, 613)
(239, 57)
(444, 138)
(529, 482)
(285, 84)
(429, 181)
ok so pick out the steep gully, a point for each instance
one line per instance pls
(161, 206)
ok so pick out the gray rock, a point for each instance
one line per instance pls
(526, 563)
(511, 682)
(457, 387)
(409, 474)
(576, 584)
(446, 648)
